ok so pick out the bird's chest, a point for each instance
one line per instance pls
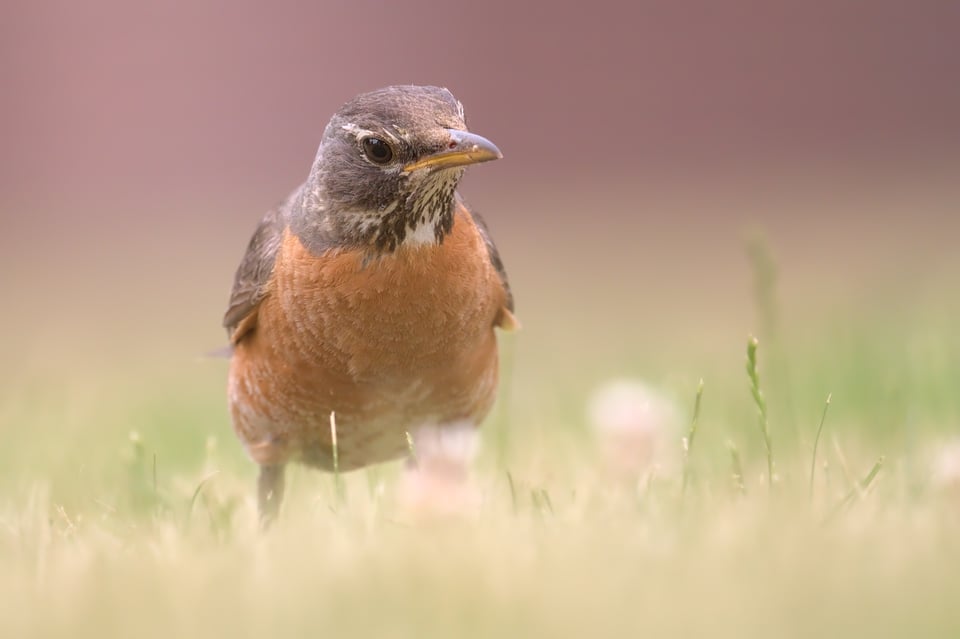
(385, 320)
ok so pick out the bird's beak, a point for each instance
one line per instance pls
(464, 148)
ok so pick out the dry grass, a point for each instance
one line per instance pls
(601, 559)
(138, 541)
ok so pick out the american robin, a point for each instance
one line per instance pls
(372, 292)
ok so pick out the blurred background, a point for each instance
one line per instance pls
(645, 145)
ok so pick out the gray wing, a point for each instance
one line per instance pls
(491, 251)
(253, 274)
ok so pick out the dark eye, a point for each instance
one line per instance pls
(377, 150)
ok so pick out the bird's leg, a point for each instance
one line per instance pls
(270, 492)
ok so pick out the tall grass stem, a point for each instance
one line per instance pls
(688, 440)
(816, 442)
(760, 402)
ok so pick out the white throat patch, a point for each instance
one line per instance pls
(433, 192)
(421, 235)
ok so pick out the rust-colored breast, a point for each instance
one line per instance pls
(389, 343)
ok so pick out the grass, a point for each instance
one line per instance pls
(689, 439)
(816, 443)
(761, 403)
(127, 508)
(557, 546)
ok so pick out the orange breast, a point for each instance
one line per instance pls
(389, 343)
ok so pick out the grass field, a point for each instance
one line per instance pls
(126, 506)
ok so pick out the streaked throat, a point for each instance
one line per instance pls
(423, 213)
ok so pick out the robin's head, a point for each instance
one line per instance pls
(388, 166)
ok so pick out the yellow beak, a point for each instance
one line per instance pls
(464, 148)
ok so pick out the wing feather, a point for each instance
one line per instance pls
(507, 320)
(253, 274)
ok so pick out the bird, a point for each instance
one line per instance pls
(366, 304)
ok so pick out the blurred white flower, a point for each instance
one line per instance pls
(946, 466)
(437, 482)
(637, 426)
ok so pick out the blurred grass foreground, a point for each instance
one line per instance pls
(611, 493)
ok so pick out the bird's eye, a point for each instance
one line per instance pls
(377, 150)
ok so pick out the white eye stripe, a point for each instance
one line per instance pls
(361, 133)
(355, 130)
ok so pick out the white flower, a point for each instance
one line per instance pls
(946, 466)
(437, 482)
(637, 426)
